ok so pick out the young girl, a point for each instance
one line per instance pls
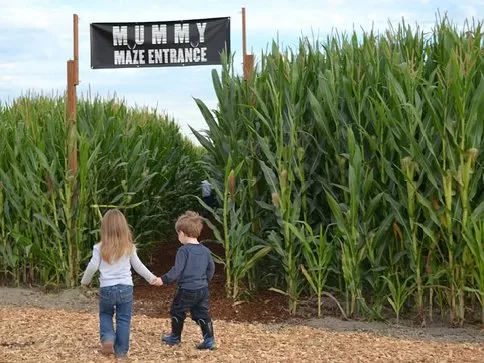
(113, 257)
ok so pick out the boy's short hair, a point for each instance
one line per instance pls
(190, 223)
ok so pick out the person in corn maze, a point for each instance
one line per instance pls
(193, 270)
(113, 257)
(208, 194)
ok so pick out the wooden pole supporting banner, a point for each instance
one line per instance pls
(248, 59)
(76, 48)
(72, 82)
(71, 115)
(248, 66)
(244, 35)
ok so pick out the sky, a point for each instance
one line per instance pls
(36, 41)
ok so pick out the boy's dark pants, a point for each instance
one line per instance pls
(195, 301)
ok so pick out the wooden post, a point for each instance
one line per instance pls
(71, 115)
(72, 82)
(248, 59)
(76, 48)
(244, 46)
(244, 35)
(248, 66)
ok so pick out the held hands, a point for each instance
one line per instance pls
(157, 281)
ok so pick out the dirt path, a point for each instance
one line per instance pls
(39, 327)
(77, 301)
(39, 335)
(63, 327)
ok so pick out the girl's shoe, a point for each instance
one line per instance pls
(107, 347)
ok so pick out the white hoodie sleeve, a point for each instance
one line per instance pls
(92, 267)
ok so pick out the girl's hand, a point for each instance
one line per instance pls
(159, 282)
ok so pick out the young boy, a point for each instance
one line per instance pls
(193, 269)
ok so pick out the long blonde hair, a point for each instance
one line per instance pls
(116, 237)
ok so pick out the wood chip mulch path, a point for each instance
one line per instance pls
(38, 335)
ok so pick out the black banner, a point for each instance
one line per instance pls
(159, 44)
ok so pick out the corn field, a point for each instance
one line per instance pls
(352, 169)
(127, 158)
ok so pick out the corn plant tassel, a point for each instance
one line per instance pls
(283, 178)
(276, 199)
(231, 183)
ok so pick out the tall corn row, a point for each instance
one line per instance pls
(132, 159)
(379, 140)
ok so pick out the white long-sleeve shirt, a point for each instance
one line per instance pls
(118, 273)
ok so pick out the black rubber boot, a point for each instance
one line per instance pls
(207, 332)
(176, 330)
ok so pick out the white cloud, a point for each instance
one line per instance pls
(42, 63)
(184, 112)
(7, 66)
(265, 16)
(20, 14)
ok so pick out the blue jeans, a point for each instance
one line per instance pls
(119, 297)
(195, 301)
